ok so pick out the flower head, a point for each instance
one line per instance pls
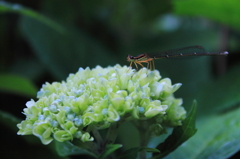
(99, 97)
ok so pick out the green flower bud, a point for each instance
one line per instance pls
(175, 114)
(61, 117)
(25, 127)
(113, 115)
(157, 129)
(43, 131)
(62, 136)
(86, 137)
(155, 108)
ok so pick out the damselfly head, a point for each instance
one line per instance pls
(129, 58)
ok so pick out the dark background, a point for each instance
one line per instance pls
(86, 33)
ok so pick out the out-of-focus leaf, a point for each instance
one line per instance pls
(18, 85)
(179, 135)
(71, 12)
(9, 120)
(226, 12)
(129, 139)
(30, 68)
(67, 149)
(17, 8)
(64, 54)
(108, 150)
(218, 137)
(137, 13)
(222, 94)
(153, 9)
(132, 153)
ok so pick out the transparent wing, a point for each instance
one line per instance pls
(182, 52)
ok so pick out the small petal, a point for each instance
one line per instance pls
(113, 114)
(86, 137)
(157, 129)
(62, 136)
(43, 131)
(31, 103)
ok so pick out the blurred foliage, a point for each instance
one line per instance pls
(179, 134)
(44, 41)
(220, 11)
(23, 86)
(16, 8)
(217, 137)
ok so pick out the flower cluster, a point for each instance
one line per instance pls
(98, 97)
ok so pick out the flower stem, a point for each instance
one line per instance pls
(144, 137)
(97, 136)
(111, 134)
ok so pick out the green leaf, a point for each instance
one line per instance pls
(67, 149)
(109, 149)
(17, 8)
(224, 92)
(18, 85)
(218, 137)
(129, 139)
(220, 95)
(9, 120)
(132, 153)
(179, 135)
(226, 12)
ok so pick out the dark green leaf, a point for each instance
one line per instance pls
(220, 95)
(226, 12)
(179, 135)
(128, 138)
(109, 149)
(17, 8)
(9, 120)
(67, 149)
(30, 68)
(218, 137)
(17, 84)
(132, 153)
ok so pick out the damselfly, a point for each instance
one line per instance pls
(182, 52)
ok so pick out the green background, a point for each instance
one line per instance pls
(44, 41)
